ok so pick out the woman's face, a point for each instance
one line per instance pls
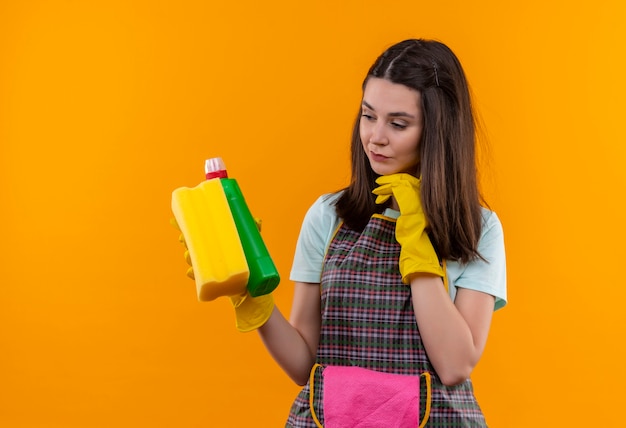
(391, 126)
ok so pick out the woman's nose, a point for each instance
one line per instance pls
(378, 135)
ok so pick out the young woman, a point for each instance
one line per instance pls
(400, 272)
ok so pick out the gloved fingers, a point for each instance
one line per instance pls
(383, 193)
(190, 273)
(252, 312)
(403, 187)
(258, 223)
(181, 239)
(405, 194)
(239, 299)
(383, 189)
(190, 270)
(399, 177)
(381, 199)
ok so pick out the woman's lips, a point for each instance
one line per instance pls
(378, 157)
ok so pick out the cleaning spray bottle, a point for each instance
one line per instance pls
(264, 277)
(224, 246)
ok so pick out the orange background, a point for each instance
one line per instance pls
(107, 106)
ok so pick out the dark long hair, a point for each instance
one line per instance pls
(449, 189)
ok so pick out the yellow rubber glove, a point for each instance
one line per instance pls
(250, 312)
(417, 253)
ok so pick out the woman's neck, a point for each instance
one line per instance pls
(393, 204)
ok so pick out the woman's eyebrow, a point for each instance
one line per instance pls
(394, 114)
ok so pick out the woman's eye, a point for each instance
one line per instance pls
(398, 125)
(367, 116)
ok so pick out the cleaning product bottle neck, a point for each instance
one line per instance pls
(215, 168)
(217, 174)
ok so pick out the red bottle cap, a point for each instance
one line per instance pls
(215, 168)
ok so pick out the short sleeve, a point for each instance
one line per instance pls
(489, 275)
(318, 227)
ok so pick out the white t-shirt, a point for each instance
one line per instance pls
(321, 222)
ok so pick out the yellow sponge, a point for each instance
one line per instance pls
(215, 251)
